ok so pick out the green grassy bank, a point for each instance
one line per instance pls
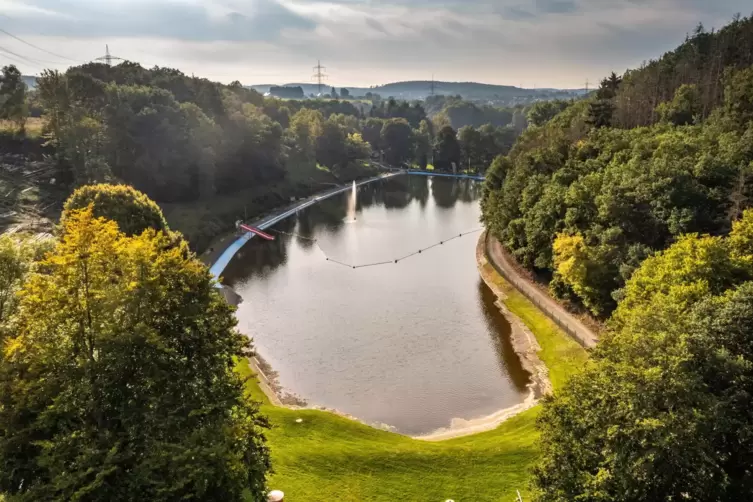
(327, 457)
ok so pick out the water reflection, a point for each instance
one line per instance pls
(419, 189)
(257, 259)
(395, 192)
(412, 344)
(509, 362)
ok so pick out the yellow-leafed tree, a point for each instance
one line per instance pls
(117, 381)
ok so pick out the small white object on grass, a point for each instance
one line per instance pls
(275, 496)
(298, 420)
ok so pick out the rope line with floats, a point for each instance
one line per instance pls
(266, 236)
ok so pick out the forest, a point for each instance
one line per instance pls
(584, 198)
(118, 369)
(634, 205)
(210, 153)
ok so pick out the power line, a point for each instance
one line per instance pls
(24, 59)
(108, 58)
(319, 76)
(37, 47)
(13, 58)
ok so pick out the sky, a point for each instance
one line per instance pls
(528, 43)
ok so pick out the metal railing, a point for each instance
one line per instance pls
(525, 289)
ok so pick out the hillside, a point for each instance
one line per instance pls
(473, 91)
(652, 184)
(635, 206)
(701, 60)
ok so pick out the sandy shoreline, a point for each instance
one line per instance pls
(523, 341)
(525, 346)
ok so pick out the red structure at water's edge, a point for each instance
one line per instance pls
(256, 231)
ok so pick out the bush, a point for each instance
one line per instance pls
(133, 211)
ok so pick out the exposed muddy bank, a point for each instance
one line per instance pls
(524, 342)
(525, 346)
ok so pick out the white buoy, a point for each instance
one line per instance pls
(275, 496)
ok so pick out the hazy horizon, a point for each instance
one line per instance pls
(362, 43)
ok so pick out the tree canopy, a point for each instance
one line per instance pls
(13, 97)
(133, 211)
(661, 412)
(621, 194)
(635, 204)
(116, 376)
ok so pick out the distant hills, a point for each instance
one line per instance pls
(420, 89)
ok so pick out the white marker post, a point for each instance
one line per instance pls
(275, 496)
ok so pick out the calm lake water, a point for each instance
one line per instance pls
(411, 345)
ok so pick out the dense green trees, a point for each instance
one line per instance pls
(372, 132)
(133, 211)
(542, 112)
(479, 147)
(392, 109)
(587, 203)
(738, 96)
(116, 375)
(684, 107)
(458, 113)
(447, 150)
(662, 412)
(633, 203)
(601, 109)
(397, 140)
(180, 139)
(13, 97)
(701, 61)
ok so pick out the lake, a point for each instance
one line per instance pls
(410, 345)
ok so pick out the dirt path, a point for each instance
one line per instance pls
(574, 327)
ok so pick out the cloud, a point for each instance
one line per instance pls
(548, 43)
(515, 13)
(174, 19)
(556, 6)
(376, 25)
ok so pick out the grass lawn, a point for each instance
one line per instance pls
(327, 457)
(561, 354)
